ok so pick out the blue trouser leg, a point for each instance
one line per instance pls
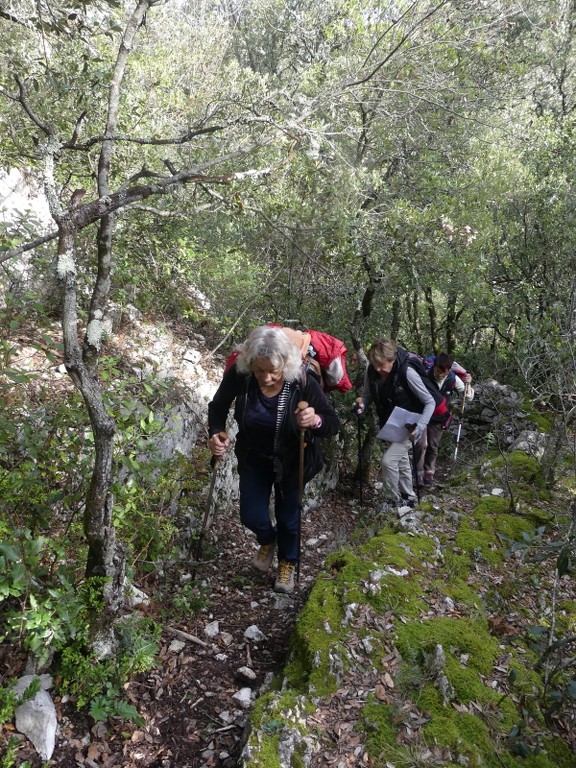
(288, 523)
(256, 483)
(255, 489)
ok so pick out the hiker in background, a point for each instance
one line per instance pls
(267, 382)
(448, 377)
(391, 380)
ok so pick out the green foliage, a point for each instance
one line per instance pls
(98, 684)
(8, 760)
(108, 705)
(188, 600)
(40, 605)
(9, 701)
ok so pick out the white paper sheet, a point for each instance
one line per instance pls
(394, 431)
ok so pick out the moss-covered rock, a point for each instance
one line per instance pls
(459, 695)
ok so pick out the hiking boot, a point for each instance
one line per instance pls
(408, 501)
(263, 558)
(285, 578)
(387, 506)
(429, 479)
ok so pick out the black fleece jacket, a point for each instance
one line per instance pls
(234, 386)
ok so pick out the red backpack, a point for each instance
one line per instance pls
(330, 353)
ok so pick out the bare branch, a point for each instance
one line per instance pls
(186, 137)
(23, 99)
(399, 45)
(6, 255)
(89, 213)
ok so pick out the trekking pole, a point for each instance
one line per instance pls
(460, 422)
(360, 467)
(412, 458)
(301, 406)
(214, 462)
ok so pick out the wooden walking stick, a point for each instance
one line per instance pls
(301, 406)
(360, 452)
(214, 462)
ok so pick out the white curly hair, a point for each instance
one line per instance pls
(271, 344)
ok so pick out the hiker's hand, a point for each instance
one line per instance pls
(414, 432)
(218, 444)
(359, 407)
(307, 418)
(417, 433)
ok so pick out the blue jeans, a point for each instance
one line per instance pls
(256, 484)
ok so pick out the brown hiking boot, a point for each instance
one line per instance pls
(263, 558)
(285, 578)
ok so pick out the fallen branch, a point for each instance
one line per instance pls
(186, 636)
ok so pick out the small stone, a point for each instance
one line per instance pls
(246, 675)
(253, 633)
(243, 697)
(212, 630)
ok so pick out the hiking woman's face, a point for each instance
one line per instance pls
(384, 368)
(268, 377)
(441, 373)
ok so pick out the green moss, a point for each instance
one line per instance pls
(491, 505)
(377, 720)
(374, 576)
(541, 421)
(558, 753)
(478, 544)
(456, 636)
(271, 705)
(271, 715)
(510, 525)
(266, 754)
(456, 565)
(566, 617)
(462, 732)
(321, 651)
(399, 550)
(314, 647)
(521, 467)
(479, 536)
(393, 554)
(459, 591)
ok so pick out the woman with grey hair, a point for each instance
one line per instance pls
(268, 385)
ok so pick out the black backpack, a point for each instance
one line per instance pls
(441, 411)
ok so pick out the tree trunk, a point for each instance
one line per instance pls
(396, 318)
(105, 555)
(451, 321)
(433, 319)
(414, 318)
(553, 451)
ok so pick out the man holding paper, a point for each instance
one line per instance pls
(394, 384)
